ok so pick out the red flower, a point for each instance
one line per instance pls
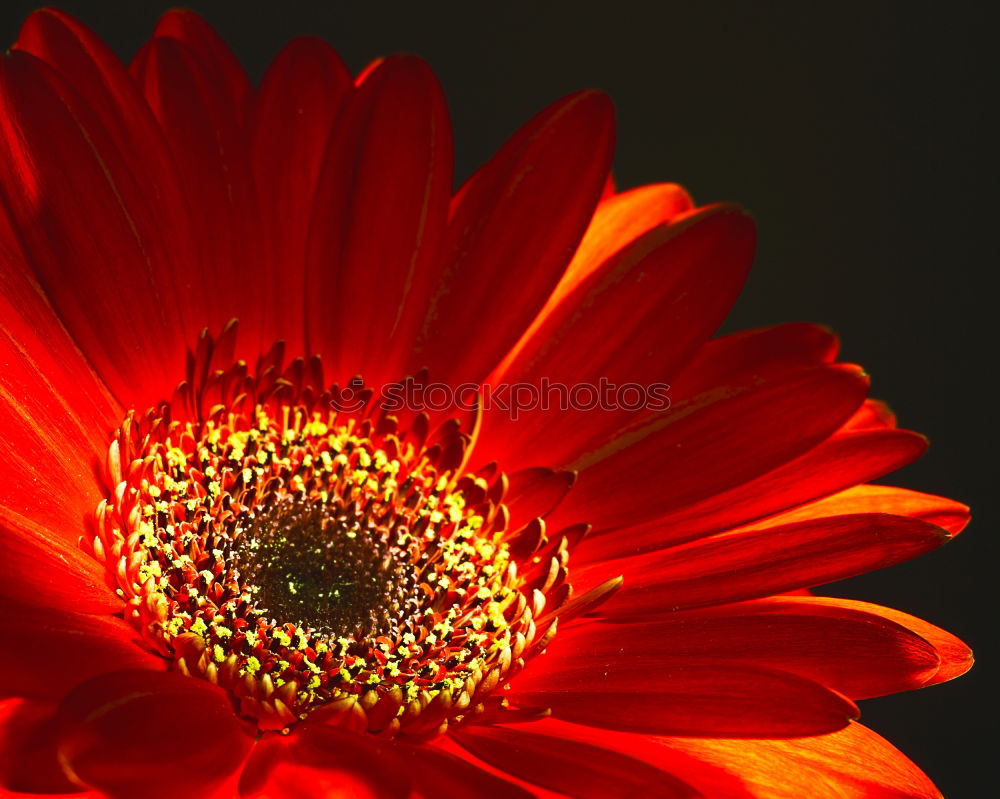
(229, 569)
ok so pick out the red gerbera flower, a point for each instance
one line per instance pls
(230, 569)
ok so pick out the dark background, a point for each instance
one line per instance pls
(854, 131)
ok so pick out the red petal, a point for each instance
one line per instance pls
(55, 413)
(649, 306)
(720, 440)
(851, 650)
(534, 493)
(619, 221)
(380, 215)
(680, 696)
(222, 66)
(845, 459)
(853, 763)
(301, 95)
(954, 656)
(570, 767)
(33, 649)
(90, 228)
(633, 322)
(754, 352)
(28, 763)
(43, 568)
(873, 415)
(757, 562)
(946, 513)
(322, 761)
(202, 123)
(143, 733)
(513, 231)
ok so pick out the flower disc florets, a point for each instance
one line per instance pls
(319, 562)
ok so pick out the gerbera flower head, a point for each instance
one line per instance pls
(320, 478)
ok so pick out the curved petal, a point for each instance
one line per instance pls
(55, 413)
(28, 763)
(873, 415)
(853, 763)
(754, 352)
(682, 696)
(43, 568)
(854, 651)
(381, 208)
(955, 658)
(317, 762)
(721, 439)
(294, 111)
(576, 769)
(151, 734)
(619, 220)
(201, 39)
(845, 459)
(91, 231)
(760, 561)
(534, 493)
(940, 511)
(632, 323)
(513, 230)
(33, 661)
(203, 124)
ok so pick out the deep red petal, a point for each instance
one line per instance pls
(681, 696)
(300, 97)
(316, 760)
(632, 323)
(856, 652)
(28, 762)
(203, 125)
(380, 213)
(842, 461)
(34, 647)
(757, 562)
(513, 231)
(221, 64)
(711, 444)
(754, 352)
(576, 769)
(151, 734)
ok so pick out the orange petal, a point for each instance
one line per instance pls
(570, 767)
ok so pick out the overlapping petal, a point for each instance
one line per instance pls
(137, 207)
(153, 734)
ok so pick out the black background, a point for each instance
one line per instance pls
(856, 134)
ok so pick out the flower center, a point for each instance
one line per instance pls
(313, 562)
(324, 569)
